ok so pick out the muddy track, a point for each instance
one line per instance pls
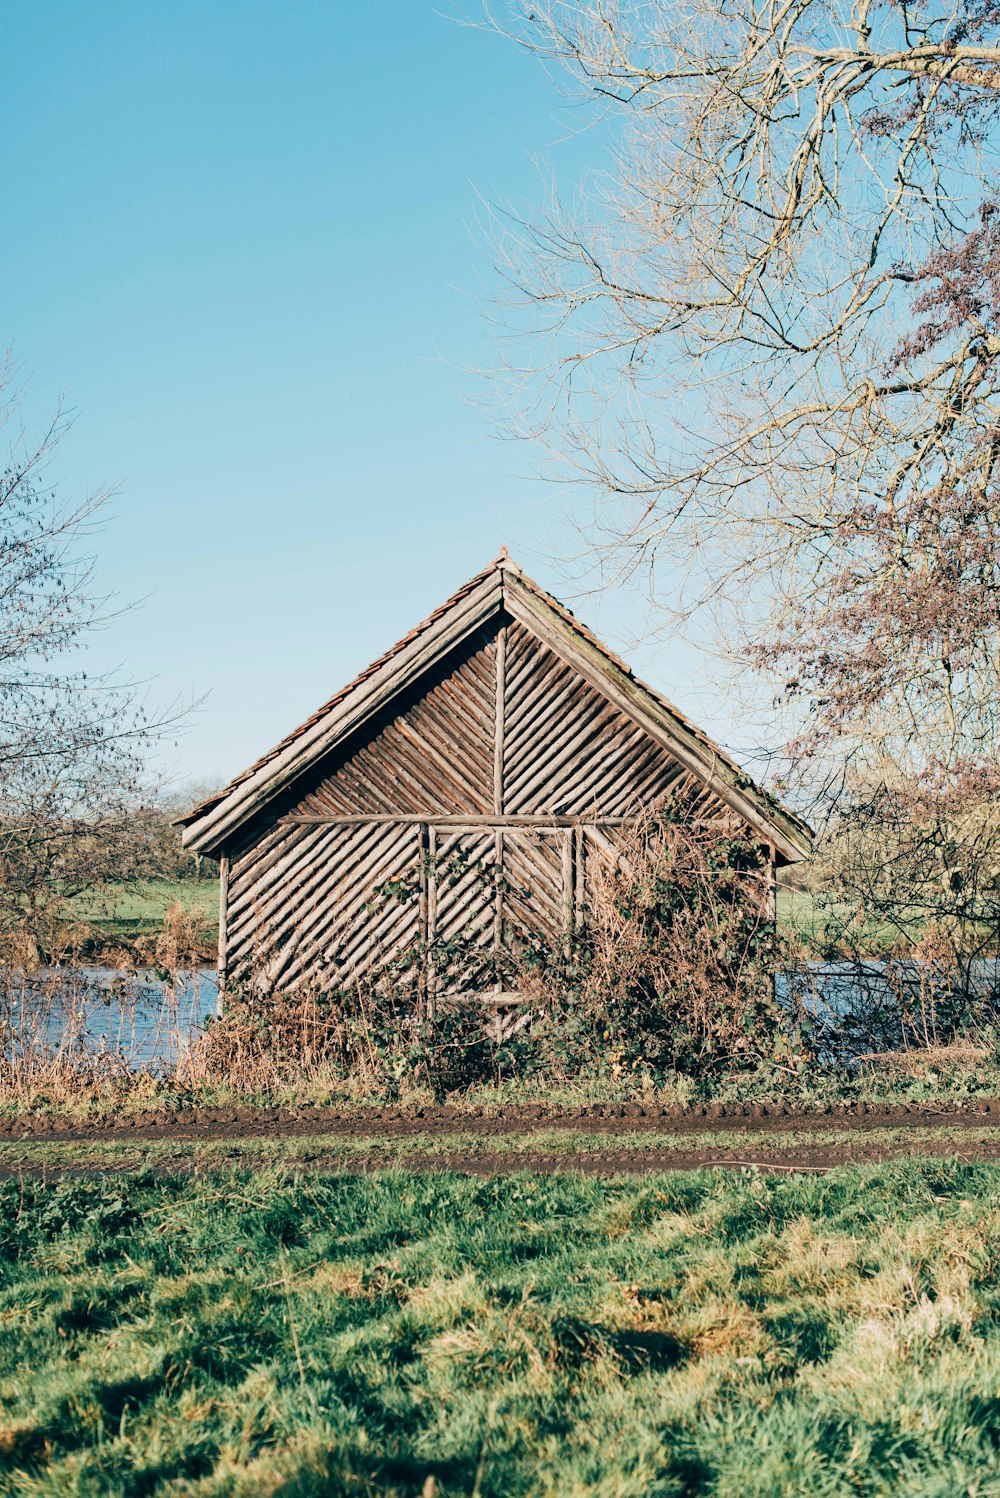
(778, 1158)
(219, 1124)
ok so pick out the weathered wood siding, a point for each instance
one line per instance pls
(462, 819)
(431, 752)
(567, 750)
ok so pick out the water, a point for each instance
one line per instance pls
(852, 1007)
(137, 1018)
(865, 1006)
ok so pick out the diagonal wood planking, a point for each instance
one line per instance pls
(430, 752)
(568, 750)
(500, 728)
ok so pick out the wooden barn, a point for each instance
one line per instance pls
(452, 799)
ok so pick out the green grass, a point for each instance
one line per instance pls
(685, 1334)
(137, 908)
(817, 922)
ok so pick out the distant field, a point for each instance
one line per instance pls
(805, 914)
(703, 1334)
(128, 910)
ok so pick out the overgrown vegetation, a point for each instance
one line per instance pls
(434, 1335)
(664, 993)
(669, 970)
(672, 967)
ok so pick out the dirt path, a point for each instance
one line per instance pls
(780, 1139)
(207, 1124)
(810, 1159)
(642, 1162)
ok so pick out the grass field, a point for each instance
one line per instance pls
(685, 1334)
(126, 911)
(817, 924)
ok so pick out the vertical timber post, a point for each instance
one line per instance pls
(569, 885)
(499, 736)
(431, 918)
(223, 923)
(500, 722)
(423, 881)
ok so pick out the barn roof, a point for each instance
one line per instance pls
(500, 586)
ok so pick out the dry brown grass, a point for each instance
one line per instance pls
(67, 1035)
(917, 1061)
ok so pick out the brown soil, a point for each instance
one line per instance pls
(448, 1120)
(641, 1162)
(796, 1158)
(770, 1121)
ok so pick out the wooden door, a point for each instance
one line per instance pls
(537, 892)
(462, 910)
(497, 895)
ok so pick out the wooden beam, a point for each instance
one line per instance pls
(432, 904)
(423, 877)
(567, 883)
(472, 822)
(223, 920)
(498, 897)
(500, 722)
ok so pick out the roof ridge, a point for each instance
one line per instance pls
(700, 745)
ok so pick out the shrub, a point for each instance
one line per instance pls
(670, 969)
(672, 966)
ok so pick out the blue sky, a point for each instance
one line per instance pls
(240, 240)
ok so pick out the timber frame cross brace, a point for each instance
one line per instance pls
(435, 830)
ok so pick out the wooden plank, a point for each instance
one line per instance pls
(432, 894)
(534, 906)
(249, 883)
(423, 915)
(579, 874)
(317, 921)
(499, 721)
(432, 755)
(456, 820)
(498, 897)
(223, 922)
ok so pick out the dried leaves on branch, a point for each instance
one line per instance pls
(769, 336)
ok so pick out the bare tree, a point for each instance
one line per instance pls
(768, 335)
(71, 744)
